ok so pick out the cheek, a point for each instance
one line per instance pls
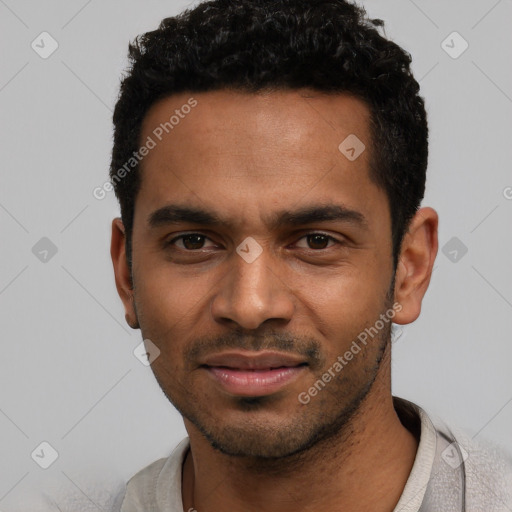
(165, 307)
(343, 305)
(164, 316)
(160, 291)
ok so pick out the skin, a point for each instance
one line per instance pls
(247, 157)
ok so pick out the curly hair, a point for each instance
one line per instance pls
(329, 46)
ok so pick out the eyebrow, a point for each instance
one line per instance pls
(178, 214)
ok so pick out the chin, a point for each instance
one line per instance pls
(258, 443)
(270, 438)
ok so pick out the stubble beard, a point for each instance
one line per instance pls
(274, 449)
(270, 447)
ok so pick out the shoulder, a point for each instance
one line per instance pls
(488, 469)
(140, 489)
(487, 466)
(158, 485)
(450, 461)
(56, 492)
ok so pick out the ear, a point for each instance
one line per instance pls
(122, 272)
(417, 256)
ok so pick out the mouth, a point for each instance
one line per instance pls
(253, 374)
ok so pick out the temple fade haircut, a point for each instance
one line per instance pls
(330, 46)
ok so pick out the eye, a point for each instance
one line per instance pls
(189, 241)
(317, 241)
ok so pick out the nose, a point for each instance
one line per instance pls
(252, 293)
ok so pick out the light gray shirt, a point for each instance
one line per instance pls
(451, 473)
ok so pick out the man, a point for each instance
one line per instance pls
(269, 158)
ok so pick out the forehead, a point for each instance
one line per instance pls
(294, 121)
(242, 151)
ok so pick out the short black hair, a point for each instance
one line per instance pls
(330, 46)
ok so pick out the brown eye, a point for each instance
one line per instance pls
(194, 241)
(318, 241)
(189, 241)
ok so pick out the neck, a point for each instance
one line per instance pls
(365, 467)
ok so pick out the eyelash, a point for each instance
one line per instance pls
(172, 242)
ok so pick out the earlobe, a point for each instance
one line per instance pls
(417, 256)
(122, 272)
(131, 317)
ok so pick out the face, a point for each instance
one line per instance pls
(260, 253)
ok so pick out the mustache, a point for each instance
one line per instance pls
(304, 346)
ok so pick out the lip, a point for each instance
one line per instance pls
(253, 374)
(253, 360)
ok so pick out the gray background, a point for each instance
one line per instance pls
(68, 374)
